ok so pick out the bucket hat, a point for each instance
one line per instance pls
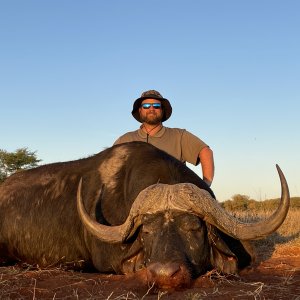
(152, 94)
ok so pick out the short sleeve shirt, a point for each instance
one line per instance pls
(177, 142)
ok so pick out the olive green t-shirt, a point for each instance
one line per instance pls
(177, 142)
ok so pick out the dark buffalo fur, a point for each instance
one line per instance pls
(39, 222)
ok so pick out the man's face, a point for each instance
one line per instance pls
(151, 115)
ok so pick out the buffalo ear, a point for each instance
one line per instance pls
(228, 255)
(221, 257)
(223, 263)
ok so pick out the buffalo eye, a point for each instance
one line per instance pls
(192, 226)
(146, 230)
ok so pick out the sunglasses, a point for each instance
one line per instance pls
(148, 105)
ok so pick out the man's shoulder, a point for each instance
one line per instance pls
(175, 131)
(127, 137)
(183, 133)
(129, 133)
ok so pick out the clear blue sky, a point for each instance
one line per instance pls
(70, 71)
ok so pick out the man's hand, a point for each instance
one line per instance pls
(208, 182)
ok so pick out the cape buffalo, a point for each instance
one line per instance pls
(128, 208)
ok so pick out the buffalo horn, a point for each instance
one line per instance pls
(111, 234)
(188, 198)
(210, 211)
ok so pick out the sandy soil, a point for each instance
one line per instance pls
(273, 277)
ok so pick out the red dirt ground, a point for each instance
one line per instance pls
(276, 277)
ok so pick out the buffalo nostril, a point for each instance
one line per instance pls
(164, 270)
(168, 276)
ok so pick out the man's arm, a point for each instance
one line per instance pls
(207, 163)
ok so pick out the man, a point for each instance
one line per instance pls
(151, 109)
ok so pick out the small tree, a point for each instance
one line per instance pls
(11, 162)
(240, 202)
(237, 202)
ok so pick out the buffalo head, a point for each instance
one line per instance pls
(177, 232)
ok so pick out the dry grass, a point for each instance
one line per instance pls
(290, 228)
(28, 282)
(224, 288)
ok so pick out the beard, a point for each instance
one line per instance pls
(152, 118)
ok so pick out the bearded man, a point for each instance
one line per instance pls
(151, 109)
